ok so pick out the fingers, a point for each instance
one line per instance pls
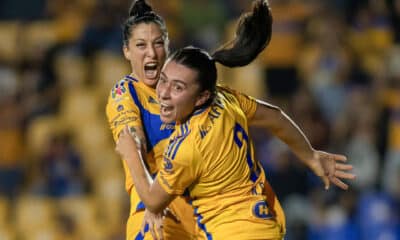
(143, 228)
(339, 183)
(326, 182)
(346, 167)
(160, 231)
(153, 233)
(339, 157)
(345, 175)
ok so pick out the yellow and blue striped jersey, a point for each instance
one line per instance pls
(210, 157)
(133, 103)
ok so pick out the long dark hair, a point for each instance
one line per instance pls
(140, 12)
(253, 34)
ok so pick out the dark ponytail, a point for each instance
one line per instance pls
(139, 8)
(140, 12)
(253, 34)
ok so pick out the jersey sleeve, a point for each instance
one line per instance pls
(179, 171)
(247, 103)
(121, 110)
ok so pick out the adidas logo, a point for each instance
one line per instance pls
(152, 100)
(204, 130)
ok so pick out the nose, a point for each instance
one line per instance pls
(151, 51)
(163, 90)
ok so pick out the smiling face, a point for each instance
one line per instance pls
(179, 93)
(146, 51)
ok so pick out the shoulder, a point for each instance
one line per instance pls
(120, 97)
(124, 89)
(182, 144)
(122, 86)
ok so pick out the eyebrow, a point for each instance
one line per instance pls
(174, 80)
(155, 39)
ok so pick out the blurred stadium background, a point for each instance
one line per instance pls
(334, 66)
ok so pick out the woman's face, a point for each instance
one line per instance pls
(179, 92)
(146, 51)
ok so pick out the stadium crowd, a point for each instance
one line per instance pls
(334, 66)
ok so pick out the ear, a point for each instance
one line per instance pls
(202, 98)
(127, 53)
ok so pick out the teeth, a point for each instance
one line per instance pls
(151, 65)
(164, 105)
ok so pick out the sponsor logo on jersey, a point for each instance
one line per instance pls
(118, 91)
(260, 210)
(124, 120)
(167, 126)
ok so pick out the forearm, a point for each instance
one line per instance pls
(143, 183)
(290, 133)
(138, 135)
(280, 125)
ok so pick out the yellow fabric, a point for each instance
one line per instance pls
(171, 228)
(134, 104)
(211, 158)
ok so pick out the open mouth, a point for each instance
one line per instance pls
(166, 109)
(150, 70)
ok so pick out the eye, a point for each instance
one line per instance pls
(159, 43)
(141, 45)
(177, 87)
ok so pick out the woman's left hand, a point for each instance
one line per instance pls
(331, 168)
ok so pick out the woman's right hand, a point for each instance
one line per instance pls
(155, 224)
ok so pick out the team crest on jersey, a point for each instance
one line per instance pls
(260, 210)
(120, 108)
(118, 91)
(168, 165)
(152, 100)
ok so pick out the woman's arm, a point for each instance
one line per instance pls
(325, 165)
(155, 198)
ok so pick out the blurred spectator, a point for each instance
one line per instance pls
(333, 66)
(280, 58)
(361, 139)
(325, 64)
(103, 31)
(61, 172)
(12, 146)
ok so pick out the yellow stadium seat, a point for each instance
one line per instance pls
(37, 38)
(4, 211)
(79, 106)
(110, 196)
(9, 47)
(33, 213)
(7, 233)
(40, 131)
(105, 76)
(84, 211)
(71, 71)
